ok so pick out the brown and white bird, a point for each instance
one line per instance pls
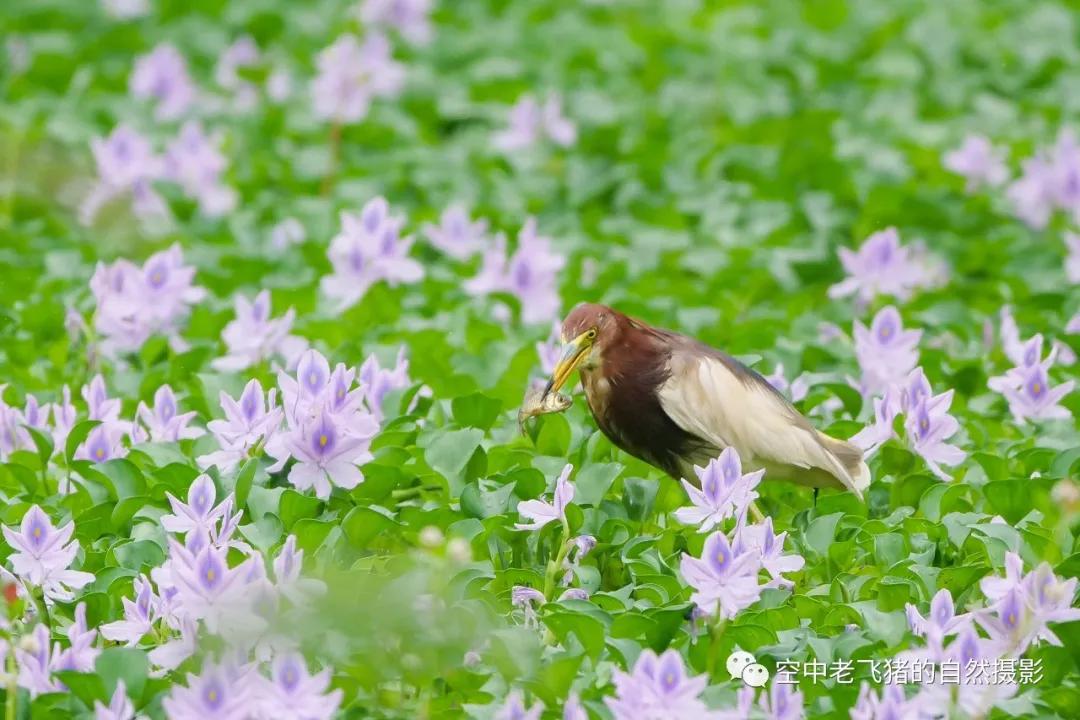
(675, 402)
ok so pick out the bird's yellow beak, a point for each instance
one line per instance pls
(573, 353)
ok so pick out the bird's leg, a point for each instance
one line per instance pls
(816, 491)
(759, 516)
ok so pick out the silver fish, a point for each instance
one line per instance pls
(537, 403)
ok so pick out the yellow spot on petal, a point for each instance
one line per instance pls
(1012, 618)
(99, 453)
(37, 532)
(212, 696)
(210, 575)
(1036, 388)
(323, 440)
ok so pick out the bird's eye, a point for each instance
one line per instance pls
(591, 334)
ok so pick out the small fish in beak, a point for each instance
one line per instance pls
(541, 401)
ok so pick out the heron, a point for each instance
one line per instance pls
(676, 403)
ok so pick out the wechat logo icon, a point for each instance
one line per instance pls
(743, 666)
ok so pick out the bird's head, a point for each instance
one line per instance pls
(586, 332)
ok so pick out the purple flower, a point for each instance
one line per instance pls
(514, 708)
(1036, 398)
(530, 122)
(1072, 259)
(886, 352)
(139, 616)
(243, 53)
(81, 653)
(762, 540)
(550, 350)
(1025, 355)
(409, 17)
(99, 404)
(928, 425)
(979, 162)
(351, 75)
(63, 417)
(292, 693)
(1023, 605)
(658, 687)
(457, 235)
(368, 249)
(881, 267)
(219, 692)
(164, 423)
(126, 164)
(134, 303)
(328, 449)
(539, 512)
(162, 76)
(287, 232)
(782, 703)
(723, 581)
(531, 274)
(287, 568)
(254, 337)
(1032, 194)
(796, 389)
(573, 709)
(725, 492)
(574, 594)
(102, 444)
(873, 436)
(36, 666)
(942, 620)
(528, 599)
(170, 654)
(206, 587)
(194, 160)
(198, 513)
(119, 707)
(891, 705)
(378, 381)
(247, 423)
(43, 555)
(580, 547)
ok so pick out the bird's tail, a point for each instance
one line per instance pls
(850, 458)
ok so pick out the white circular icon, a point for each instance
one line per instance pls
(737, 662)
(755, 675)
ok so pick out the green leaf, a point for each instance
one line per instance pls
(127, 664)
(364, 523)
(821, 532)
(639, 494)
(244, 479)
(476, 410)
(264, 533)
(85, 686)
(43, 442)
(76, 437)
(593, 482)
(554, 436)
(296, 506)
(451, 451)
(125, 478)
(1012, 499)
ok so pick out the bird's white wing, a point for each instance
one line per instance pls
(729, 406)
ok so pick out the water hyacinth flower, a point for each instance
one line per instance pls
(725, 492)
(194, 160)
(249, 422)
(550, 350)
(139, 616)
(979, 162)
(1072, 258)
(928, 425)
(198, 513)
(724, 582)
(796, 390)
(134, 303)
(103, 443)
(126, 165)
(573, 709)
(218, 692)
(539, 512)
(207, 588)
(1036, 399)
(658, 688)
(942, 620)
(119, 707)
(581, 546)
(81, 653)
(292, 693)
(882, 266)
(351, 75)
(408, 17)
(529, 122)
(253, 336)
(368, 249)
(880, 431)
(528, 599)
(163, 422)
(514, 708)
(530, 274)
(456, 234)
(886, 351)
(287, 578)
(890, 704)
(1023, 605)
(243, 53)
(769, 546)
(328, 450)
(378, 381)
(782, 702)
(43, 555)
(36, 666)
(287, 232)
(162, 76)
(64, 416)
